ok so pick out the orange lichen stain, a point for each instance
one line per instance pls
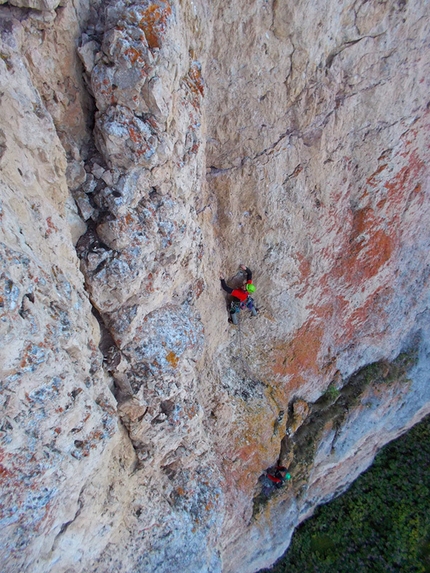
(194, 148)
(248, 452)
(194, 79)
(398, 187)
(304, 267)
(199, 287)
(357, 321)
(360, 222)
(133, 55)
(51, 227)
(96, 435)
(417, 189)
(4, 473)
(172, 359)
(381, 204)
(191, 411)
(368, 249)
(301, 354)
(152, 122)
(245, 473)
(374, 234)
(128, 219)
(28, 359)
(154, 23)
(372, 179)
(409, 137)
(250, 447)
(133, 135)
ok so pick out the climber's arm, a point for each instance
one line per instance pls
(224, 286)
(248, 273)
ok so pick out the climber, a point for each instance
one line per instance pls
(278, 475)
(241, 296)
(273, 478)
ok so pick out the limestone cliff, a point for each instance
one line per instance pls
(146, 146)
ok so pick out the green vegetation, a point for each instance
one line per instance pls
(333, 406)
(332, 393)
(381, 525)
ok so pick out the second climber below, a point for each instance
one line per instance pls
(241, 296)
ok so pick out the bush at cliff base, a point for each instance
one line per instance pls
(381, 525)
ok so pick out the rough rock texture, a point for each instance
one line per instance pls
(145, 147)
(58, 416)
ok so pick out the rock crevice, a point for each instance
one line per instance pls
(145, 148)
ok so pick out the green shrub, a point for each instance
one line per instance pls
(332, 393)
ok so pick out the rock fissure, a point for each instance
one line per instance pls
(67, 524)
(348, 44)
(190, 136)
(310, 424)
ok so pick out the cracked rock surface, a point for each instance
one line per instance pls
(146, 147)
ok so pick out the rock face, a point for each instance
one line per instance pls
(145, 147)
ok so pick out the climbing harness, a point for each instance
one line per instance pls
(236, 307)
(249, 303)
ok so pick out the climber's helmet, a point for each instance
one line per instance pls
(250, 287)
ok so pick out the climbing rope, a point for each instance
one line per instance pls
(245, 364)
